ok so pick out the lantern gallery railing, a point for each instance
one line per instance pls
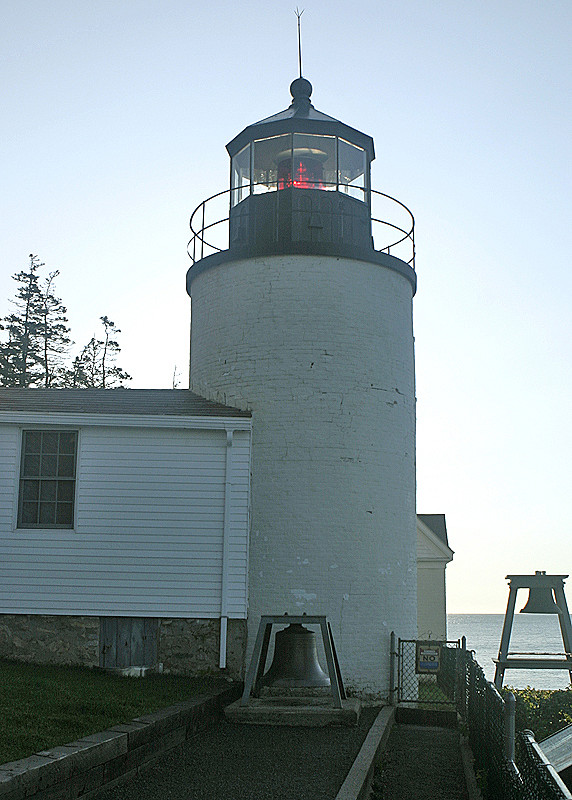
(392, 224)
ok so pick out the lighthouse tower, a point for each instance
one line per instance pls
(297, 317)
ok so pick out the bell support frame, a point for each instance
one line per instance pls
(260, 652)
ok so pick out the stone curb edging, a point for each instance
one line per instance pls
(81, 768)
(469, 769)
(358, 780)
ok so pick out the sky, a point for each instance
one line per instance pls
(115, 116)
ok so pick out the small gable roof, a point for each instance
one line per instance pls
(436, 523)
(154, 402)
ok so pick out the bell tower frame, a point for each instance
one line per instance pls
(538, 581)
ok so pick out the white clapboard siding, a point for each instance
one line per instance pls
(9, 465)
(150, 521)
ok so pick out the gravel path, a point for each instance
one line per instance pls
(421, 762)
(252, 762)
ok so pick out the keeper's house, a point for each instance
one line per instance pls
(123, 528)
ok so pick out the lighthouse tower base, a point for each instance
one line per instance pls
(320, 349)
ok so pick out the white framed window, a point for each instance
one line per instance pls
(47, 479)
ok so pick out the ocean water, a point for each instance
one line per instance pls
(531, 633)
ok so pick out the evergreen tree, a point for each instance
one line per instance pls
(53, 334)
(37, 333)
(35, 350)
(20, 361)
(95, 366)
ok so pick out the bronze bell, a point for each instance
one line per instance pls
(295, 663)
(540, 601)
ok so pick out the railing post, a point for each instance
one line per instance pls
(462, 676)
(203, 232)
(509, 726)
(392, 683)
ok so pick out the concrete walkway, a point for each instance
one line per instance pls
(259, 762)
(421, 761)
(251, 762)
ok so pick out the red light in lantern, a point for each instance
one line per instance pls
(308, 172)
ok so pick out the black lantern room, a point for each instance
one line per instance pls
(300, 182)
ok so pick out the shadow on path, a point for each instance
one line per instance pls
(421, 761)
(251, 762)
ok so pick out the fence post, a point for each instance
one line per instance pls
(509, 725)
(462, 678)
(392, 683)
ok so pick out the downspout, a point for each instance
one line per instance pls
(225, 551)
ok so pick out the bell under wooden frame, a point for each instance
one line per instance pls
(546, 596)
(292, 636)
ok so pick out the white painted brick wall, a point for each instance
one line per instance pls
(321, 349)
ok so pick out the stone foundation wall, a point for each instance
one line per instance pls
(186, 646)
(49, 639)
(191, 646)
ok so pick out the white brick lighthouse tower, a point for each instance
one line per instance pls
(298, 318)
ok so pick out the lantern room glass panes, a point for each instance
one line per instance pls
(351, 169)
(47, 479)
(240, 178)
(268, 155)
(313, 163)
(299, 160)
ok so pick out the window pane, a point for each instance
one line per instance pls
(48, 490)
(64, 514)
(65, 491)
(67, 442)
(49, 464)
(240, 175)
(66, 466)
(29, 513)
(50, 442)
(32, 441)
(31, 465)
(30, 490)
(352, 169)
(269, 154)
(47, 514)
(314, 160)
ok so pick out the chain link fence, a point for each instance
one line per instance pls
(507, 767)
(537, 775)
(427, 672)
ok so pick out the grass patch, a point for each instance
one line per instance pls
(44, 706)
(430, 694)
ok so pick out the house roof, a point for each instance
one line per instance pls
(155, 402)
(436, 523)
(558, 748)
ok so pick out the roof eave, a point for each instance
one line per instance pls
(299, 124)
